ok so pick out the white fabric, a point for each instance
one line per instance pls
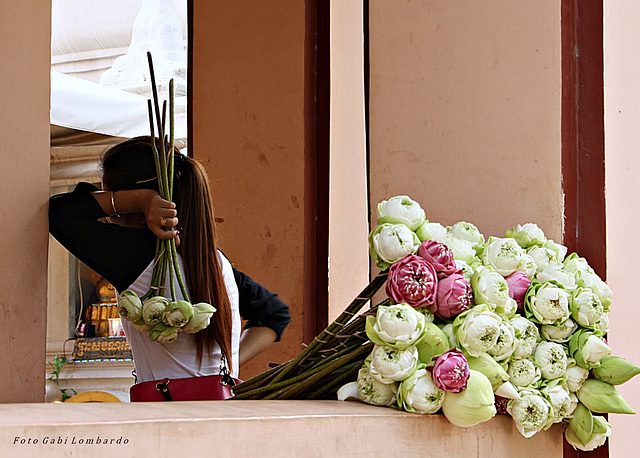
(178, 359)
(91, 107)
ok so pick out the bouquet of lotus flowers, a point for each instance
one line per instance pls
(472, 326)
(162, 318)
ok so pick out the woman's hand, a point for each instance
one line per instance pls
(160, 215)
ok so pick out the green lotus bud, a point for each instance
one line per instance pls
(581, 424)
(201, 318)
(178, 313)
(615, 370)
(473, 405)
(601, 431)
(433, 343)
(162, 333)
(587, 348)
(601, 397)
(488, 366)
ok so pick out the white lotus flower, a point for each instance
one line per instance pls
(489, 287)
(467, 270)
(398, 326)
(129, 306)
(390, 243)
(178, 313)
(503, 255)
(466, 231)
(431, 231)
(575, 375)
(601, 431)
(559, 333)
(547, 303)
(389, 365)
(153, 310)
(462, 249)
(162, 333)
(552, 360)
(374, 392)
(401, 210)
(526, 334)
(558, 396)
(477, 330)
(603, 291)
(559, 249)
(527, 235)
(530, 413)
(528, 266)
(506, 343)
(523, 372)
(586, 307)
(557, 273)
(508, 309)
(474, 405)
(418, 393)
(543, 257)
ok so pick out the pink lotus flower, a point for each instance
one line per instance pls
(413, 281)
(453, 297)
(518, 283)
(440, 256)
(450, 371)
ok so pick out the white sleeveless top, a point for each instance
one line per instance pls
(154, 361)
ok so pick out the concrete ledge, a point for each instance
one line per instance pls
(255, 428)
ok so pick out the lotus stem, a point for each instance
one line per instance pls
(365, 296)
(308, 381)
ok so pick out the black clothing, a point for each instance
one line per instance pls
(121, 254)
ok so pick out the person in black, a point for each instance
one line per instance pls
(114, 232)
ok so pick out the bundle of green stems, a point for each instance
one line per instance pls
(166, 257)
(332, 359)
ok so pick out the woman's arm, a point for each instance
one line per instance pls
(159, 214)
(117, 253)
(254, 341)
(267, 316)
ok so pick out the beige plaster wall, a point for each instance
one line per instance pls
(24, 192)
(465, 110)
(622, 118)
(348, 204)
(248, 129)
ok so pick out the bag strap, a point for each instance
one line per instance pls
(163, 387)
(224, 370)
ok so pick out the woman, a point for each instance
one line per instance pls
(114, 232)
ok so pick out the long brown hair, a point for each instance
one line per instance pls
(199, 254)
(130, 165)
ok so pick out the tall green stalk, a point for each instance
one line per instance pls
(167, 253)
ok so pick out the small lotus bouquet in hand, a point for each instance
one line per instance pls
(162, 318)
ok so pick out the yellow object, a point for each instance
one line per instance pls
(93, 396)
